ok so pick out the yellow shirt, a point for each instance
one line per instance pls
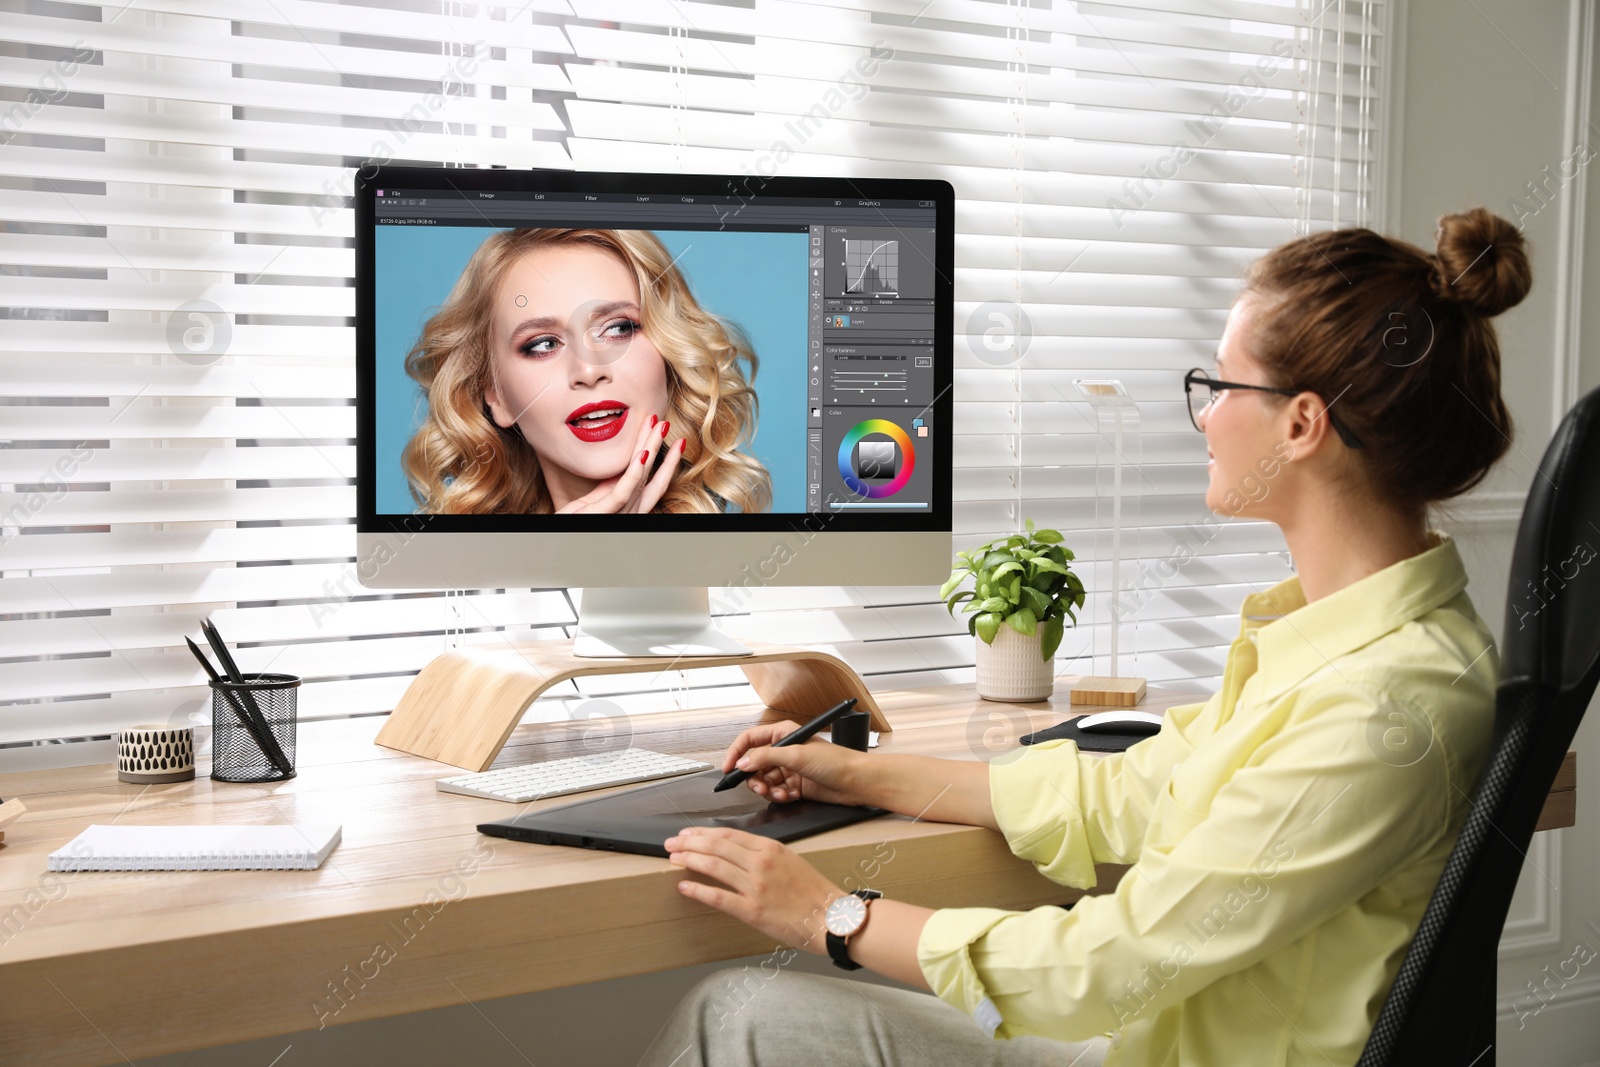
(1285, 838)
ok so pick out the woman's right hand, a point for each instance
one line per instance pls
(631, 491)
(815, 770)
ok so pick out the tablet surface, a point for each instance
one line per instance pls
(639, 820)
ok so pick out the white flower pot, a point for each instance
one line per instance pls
(1012, 669)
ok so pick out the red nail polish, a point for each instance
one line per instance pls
(653, 420)
(665, 426)
(643, 456)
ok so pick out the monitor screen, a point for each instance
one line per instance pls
(521, 336)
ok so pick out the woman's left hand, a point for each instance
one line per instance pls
(769, 885)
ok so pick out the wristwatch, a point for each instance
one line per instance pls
(844, 919)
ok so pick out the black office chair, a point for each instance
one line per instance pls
(1551, 663)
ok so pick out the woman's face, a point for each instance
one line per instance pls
(571, 367)
(1243, 437)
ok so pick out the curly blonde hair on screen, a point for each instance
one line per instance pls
(460, 462)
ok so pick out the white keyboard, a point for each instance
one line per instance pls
(574, 774)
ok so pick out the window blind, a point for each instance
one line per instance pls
(176, 255)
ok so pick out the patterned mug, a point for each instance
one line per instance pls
(151, 754)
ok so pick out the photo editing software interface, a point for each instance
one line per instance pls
(855, 400)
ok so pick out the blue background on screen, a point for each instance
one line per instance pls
(755, 280)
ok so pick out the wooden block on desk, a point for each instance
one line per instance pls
(1118, 692)
(9, 812)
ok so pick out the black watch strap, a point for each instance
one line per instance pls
(838, 947)
(839, 951)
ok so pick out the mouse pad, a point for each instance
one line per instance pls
(639, 820)
(1095, 742)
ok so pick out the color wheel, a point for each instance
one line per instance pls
(847, 447)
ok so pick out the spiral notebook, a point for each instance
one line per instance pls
(102, 847)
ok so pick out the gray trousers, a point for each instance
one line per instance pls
(750, 1018)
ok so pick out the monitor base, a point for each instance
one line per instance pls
(643, 623)
(461, 708)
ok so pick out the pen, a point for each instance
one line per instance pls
(229, 695)
(800, 736)
(244, 704)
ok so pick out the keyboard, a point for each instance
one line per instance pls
(574, 774)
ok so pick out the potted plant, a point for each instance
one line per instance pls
(1023, 592)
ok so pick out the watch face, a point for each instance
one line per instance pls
(845, 915)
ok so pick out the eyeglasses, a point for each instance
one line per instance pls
(1201, 391)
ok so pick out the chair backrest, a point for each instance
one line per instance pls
(1550, 665)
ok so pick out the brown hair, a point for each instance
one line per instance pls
(1398, 342)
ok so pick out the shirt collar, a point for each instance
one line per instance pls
(1294, 639)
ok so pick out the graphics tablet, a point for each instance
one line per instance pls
(639, 820)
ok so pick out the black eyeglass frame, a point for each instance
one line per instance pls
(1198, 376)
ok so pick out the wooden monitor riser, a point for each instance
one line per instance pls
(461, 708)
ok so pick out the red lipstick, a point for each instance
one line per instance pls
(600, 421)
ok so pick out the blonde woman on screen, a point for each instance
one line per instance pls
(555, 373)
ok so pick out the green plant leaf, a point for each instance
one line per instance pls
(1035, 601)
(1046, 537)
(955, 579)
(1044, 564)
(950, 605)
(1023, 621)
(986, 626)
(1006, 568)
(995, 558)
(1050, 636)
(994, 603)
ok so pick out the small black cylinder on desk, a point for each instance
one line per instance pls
(850, 730)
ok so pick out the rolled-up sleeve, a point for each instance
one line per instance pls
(1287, 843)
(1066, 810)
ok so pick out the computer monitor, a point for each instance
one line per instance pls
(516, 331)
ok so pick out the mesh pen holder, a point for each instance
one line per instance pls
(235, 755)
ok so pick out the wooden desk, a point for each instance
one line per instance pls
(415, 909)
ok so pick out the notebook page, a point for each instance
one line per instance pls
(197, 848)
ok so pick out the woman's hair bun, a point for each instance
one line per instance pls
(1483, 262)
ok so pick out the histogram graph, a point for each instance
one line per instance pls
(872, 267)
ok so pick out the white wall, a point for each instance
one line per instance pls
(1492, 92)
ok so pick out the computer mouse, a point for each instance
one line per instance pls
(1120, 722)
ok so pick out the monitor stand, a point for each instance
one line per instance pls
(462, 707)
(642, 623)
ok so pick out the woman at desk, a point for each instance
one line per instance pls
(1286, 834)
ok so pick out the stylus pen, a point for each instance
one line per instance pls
(255, 722)
(799, 737)
(229, 695)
